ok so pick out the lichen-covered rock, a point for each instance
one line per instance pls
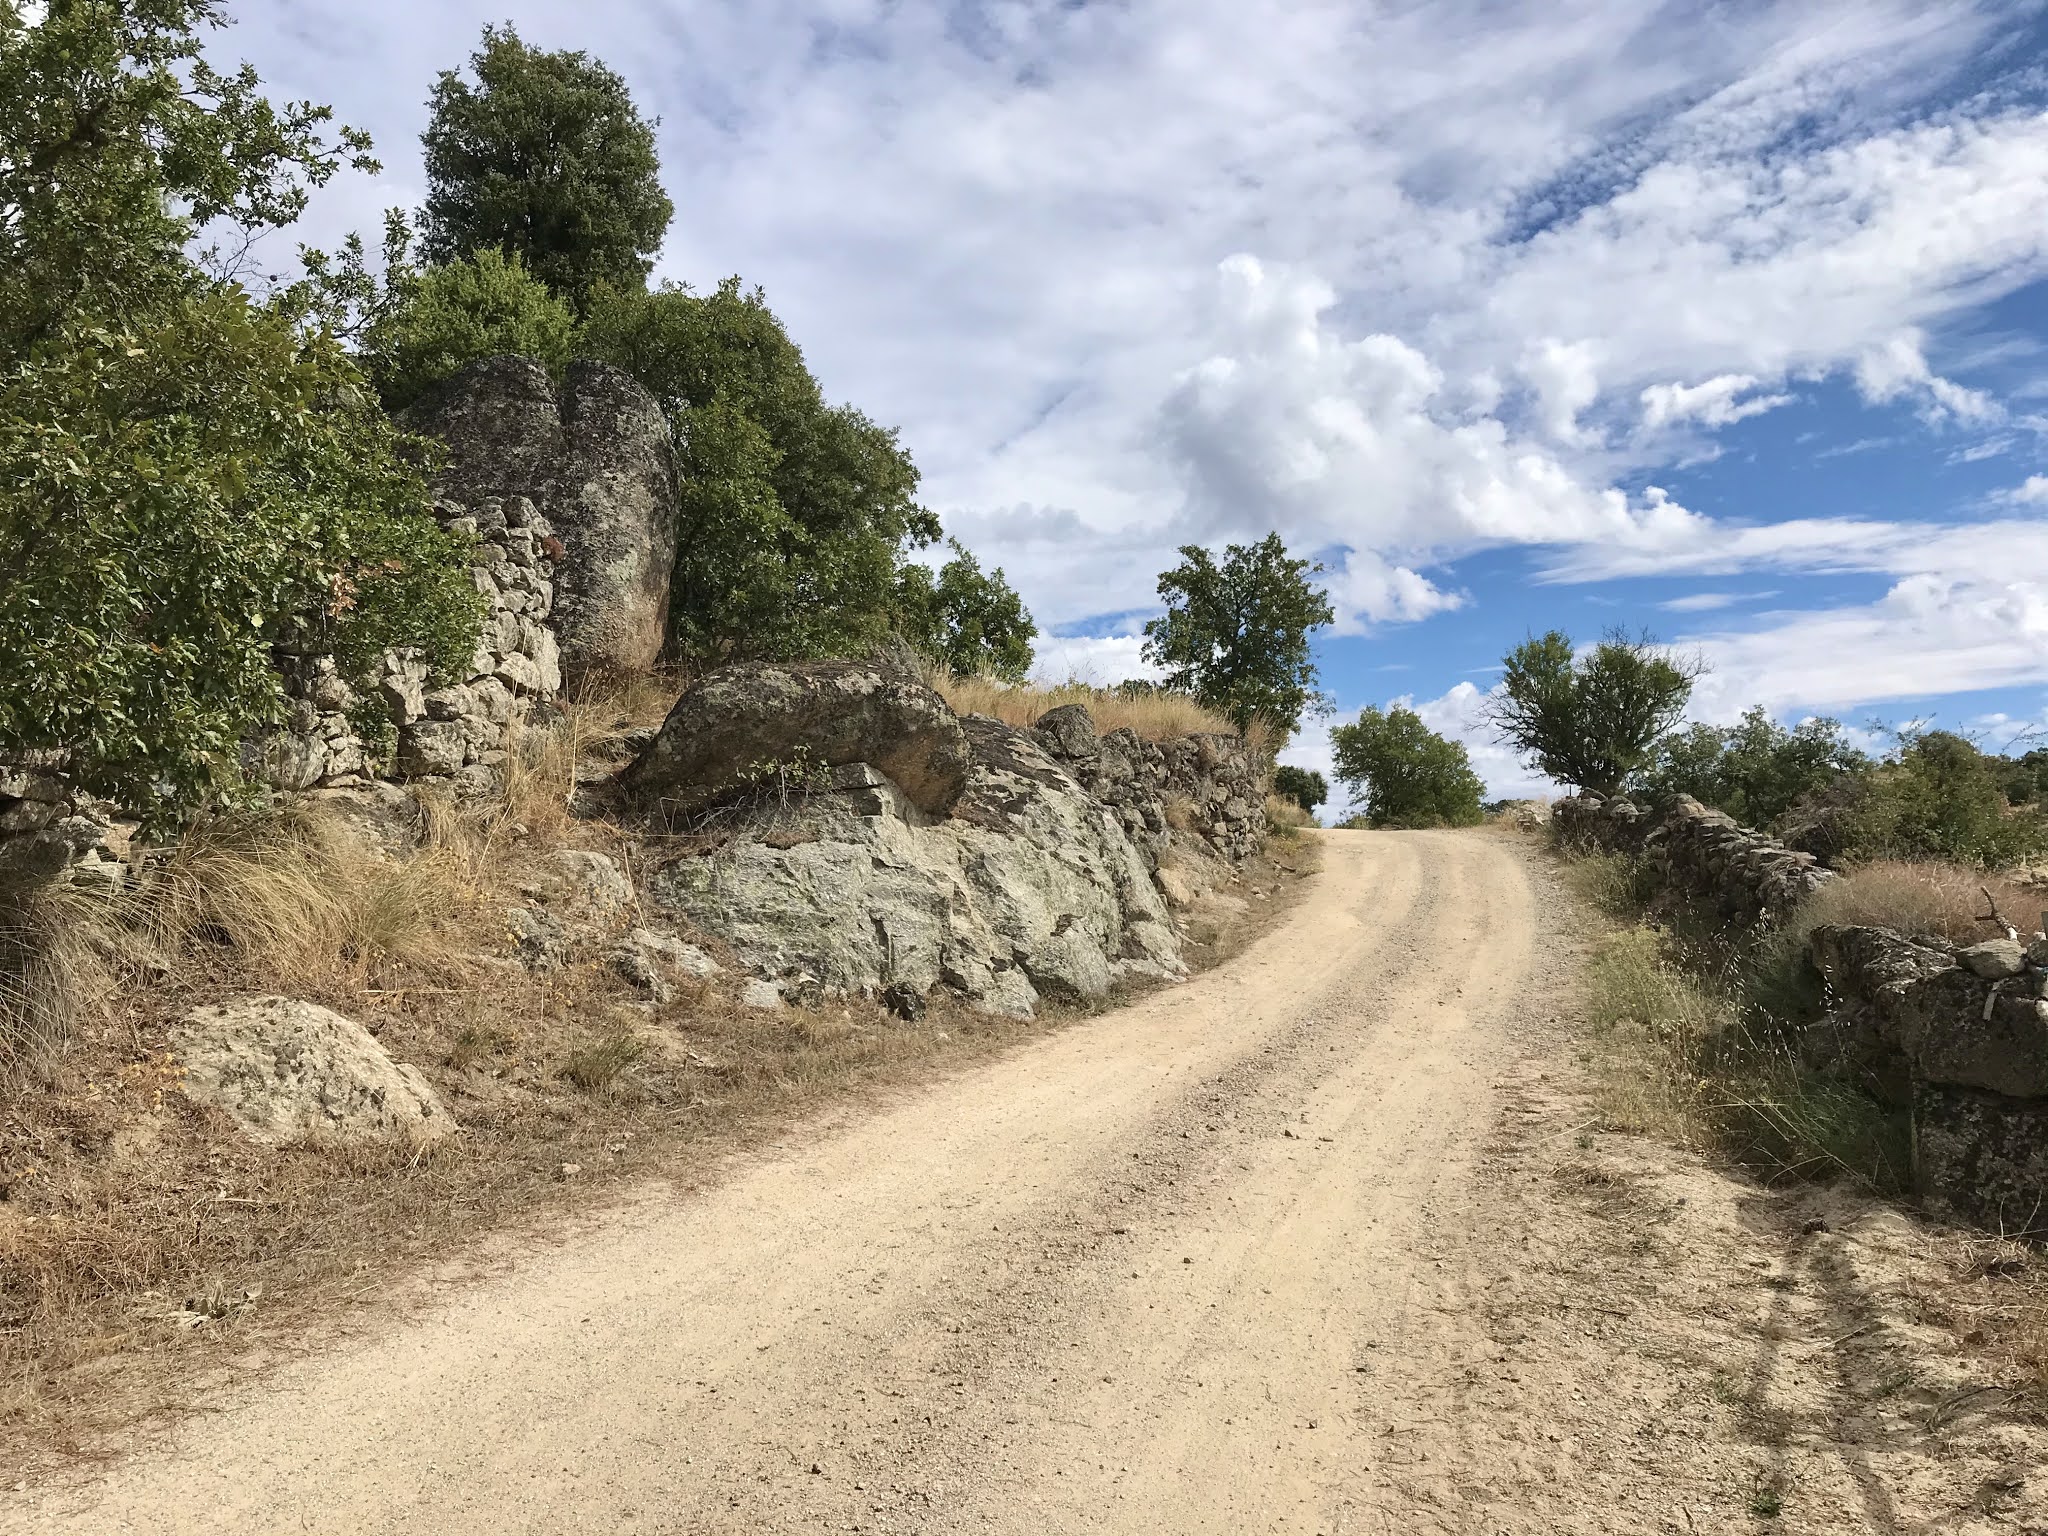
(1218, 788)
(1982, 1155)
(283, 1069)
(595, 459)
(1994, 959)
(790, 723)
(1030, 889)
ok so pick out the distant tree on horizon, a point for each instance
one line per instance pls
(1591, 721)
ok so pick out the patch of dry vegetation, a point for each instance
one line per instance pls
(1943, 900)
(1285, 816)
(1151, 716)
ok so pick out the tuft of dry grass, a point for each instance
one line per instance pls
(1151, 716)
(1920, 898)
(1285, 816)
(52, 974)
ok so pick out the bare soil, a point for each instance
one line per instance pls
(1322, 1242)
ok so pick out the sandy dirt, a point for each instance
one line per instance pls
(1317, 1243)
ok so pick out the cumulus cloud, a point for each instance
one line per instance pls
(1715, 402)
(2031, 492)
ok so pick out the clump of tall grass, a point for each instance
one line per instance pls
(1156, 715)
(1920, 898)
(1685, 1048)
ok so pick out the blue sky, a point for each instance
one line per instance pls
(1725, 319)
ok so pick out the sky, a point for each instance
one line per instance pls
(1728, 321)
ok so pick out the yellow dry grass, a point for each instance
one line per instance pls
(1285, 816)
(1945, 900)
(1150, 716)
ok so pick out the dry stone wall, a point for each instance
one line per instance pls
(1210, 784)
(1955, 1035)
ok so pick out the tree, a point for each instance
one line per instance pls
(119, 144)
(414, 327)
(1590, 721)
(547, 159)
(1236, 635)
(189, 482)
(1939, 797)
(1755, 770)
(1304, 786)
(800, 511)
(1409, 775)
(966, 618)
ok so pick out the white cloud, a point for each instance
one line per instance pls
(1701, 602)
(1565, 378)
(1713, 403)
(1897, 366)
(1098, 660)
(2031, 492)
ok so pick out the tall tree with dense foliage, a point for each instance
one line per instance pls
(966, 618)
(1236, 633)
(1755, 770)
(546, 158)
(1407, 774)
(1596, 720)
(1304, 786)
(189, 482)
(800, 512)
(1940, 797)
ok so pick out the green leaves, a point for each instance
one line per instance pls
(182, 496)
(1409, 776)
(545, 158)
(1756, 770)
(967, 619)
(800, 511)
(1236, 635)
(1591, 721)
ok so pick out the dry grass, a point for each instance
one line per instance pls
(1943, 900)
(1285, 816)
(1675, 1053)
(1151, 716)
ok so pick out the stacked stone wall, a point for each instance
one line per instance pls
(1955, 1035)
(1207, 786)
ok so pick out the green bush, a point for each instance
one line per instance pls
(967, 619)
(1755, 770)
(800, 511)
(1939, 798)
(1409, 775)
(439, 320)
(182, 495)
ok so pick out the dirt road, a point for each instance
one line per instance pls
(1212, 1263)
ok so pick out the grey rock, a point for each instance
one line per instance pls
(1994, 959)
(594, 459)
(743, 723)
(430, 747)
(652, 960)
(1032, 882)
(283, 1070)
(538, 938)
(758, 993)
(380, 814)
(1981, 1155)
(1069, 732)
(587, 885)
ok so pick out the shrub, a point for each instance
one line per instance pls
(439, 320)
(967, 619)
(1756, 770)
(1409, 775)
(182, 496)
(1939, 798)
(1304, 786)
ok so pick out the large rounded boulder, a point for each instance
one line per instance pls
(762, 722)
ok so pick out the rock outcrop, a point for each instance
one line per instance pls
(1209, 784)
(594, 457)
(283, 1070)
(791, 724)
(1030, 889)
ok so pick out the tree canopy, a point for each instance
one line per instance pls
(1235, 633)
(1590, 721)
(1755, 770)
(800, 511)
(545, 158)
(190, 482)
(965, 617)
(1407, 774)
(1304, 786)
